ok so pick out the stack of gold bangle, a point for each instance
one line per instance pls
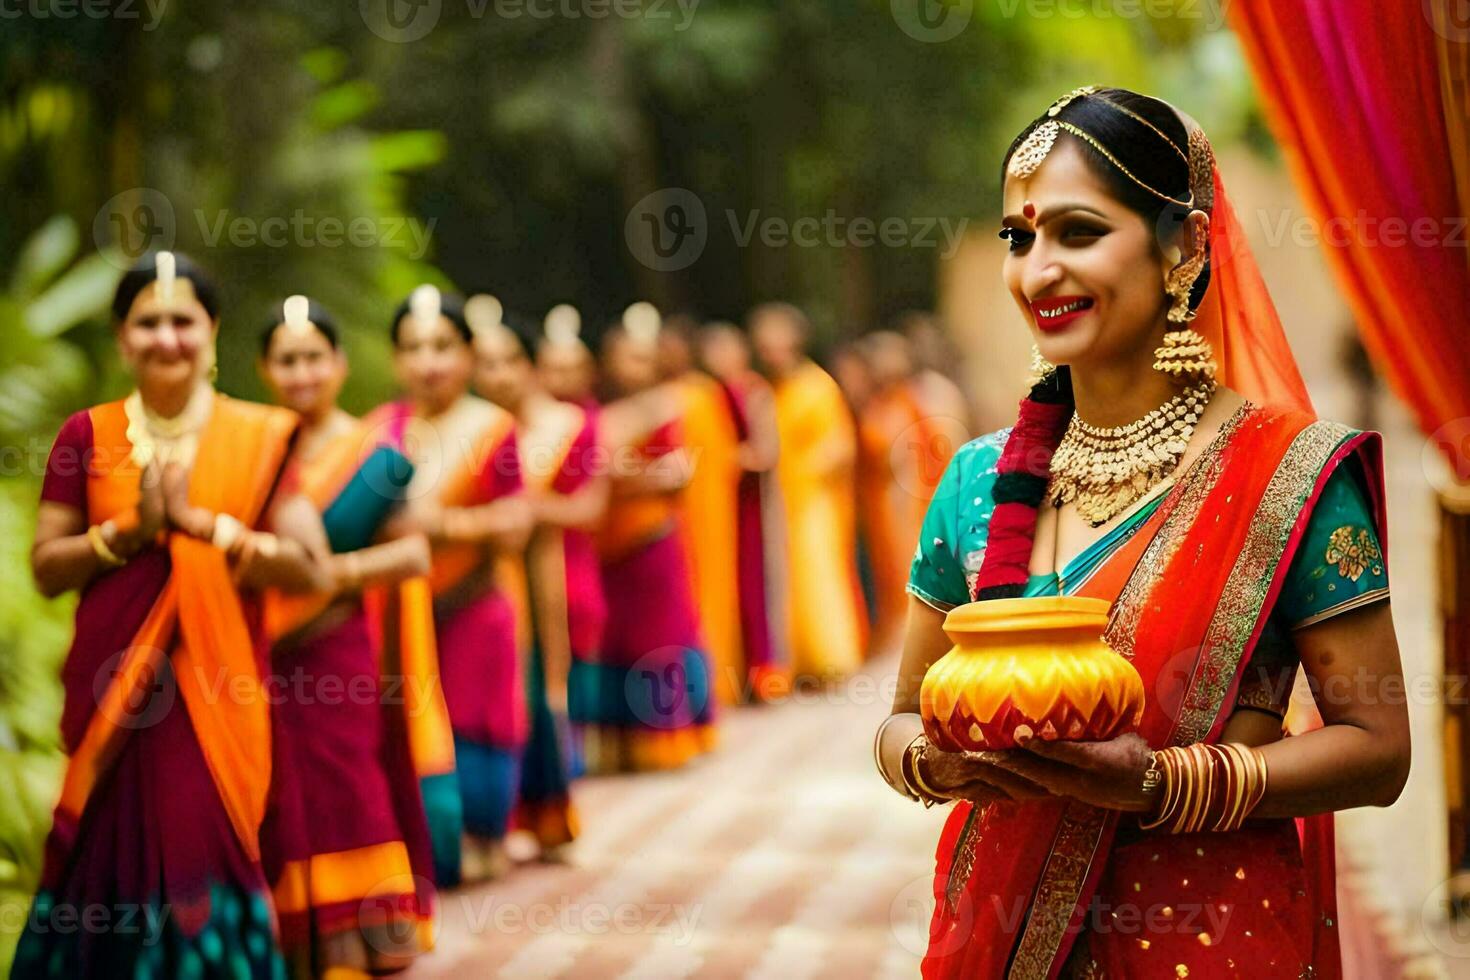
(910, 783)
(1208, 787)
(97, 535)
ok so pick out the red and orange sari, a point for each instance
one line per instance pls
(166, 722)
(1019, 884)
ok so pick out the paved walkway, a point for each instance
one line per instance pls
(781, 856)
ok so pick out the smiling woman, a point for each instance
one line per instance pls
(1211, 515)
(171, 531)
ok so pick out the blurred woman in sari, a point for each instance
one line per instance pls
(902, 450)
(566, 371)
(466, 496)
(353, 892)
(1237, 539)
(166, 511)
(557, 442)
(828, 626)
(725, 352)
(650, 704)
(708, 513)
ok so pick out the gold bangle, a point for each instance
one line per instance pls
(924, 787)
(100, 548)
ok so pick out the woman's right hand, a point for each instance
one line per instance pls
(967, 776)
(132, 536)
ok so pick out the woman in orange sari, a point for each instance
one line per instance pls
(156, 508)
(827, 623)
(466, 496)
(348, 715)
(1237, 539)
(898, 468)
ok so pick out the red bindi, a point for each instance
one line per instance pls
(1029, 210)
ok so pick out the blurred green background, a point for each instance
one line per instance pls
(501, 151)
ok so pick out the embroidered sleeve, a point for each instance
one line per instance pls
(952, 540)
(1339, 565)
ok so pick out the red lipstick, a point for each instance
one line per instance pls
(1058, 312)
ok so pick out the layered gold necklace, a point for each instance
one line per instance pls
(1105, 470)
(167, 440)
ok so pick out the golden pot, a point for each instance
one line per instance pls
(1035, 665)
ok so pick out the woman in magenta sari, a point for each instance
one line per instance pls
(568, 494)
(648, 698)
(466, 496)
(725, 352)
(156, 508)
(345, 888)
(565, 370)
(1236, 537)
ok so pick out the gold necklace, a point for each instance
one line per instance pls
(1105, 470)
(167, 440)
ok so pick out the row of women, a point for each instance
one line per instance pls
(323, 664)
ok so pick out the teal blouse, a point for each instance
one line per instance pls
(1339, 565)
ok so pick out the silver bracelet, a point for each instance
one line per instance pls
(900, 787)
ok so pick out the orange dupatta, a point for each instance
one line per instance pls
(197, 622)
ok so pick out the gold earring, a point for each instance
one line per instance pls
(1186, 357)
(1179, 283)
(1040, 366)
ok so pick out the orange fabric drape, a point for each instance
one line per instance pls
(1369, 105)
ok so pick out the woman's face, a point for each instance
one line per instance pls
(631, 366)
(503, 371)
(724, 353)
(304, 371)
(433, 362)
(565, 370)
(167, 345)
(1087, 272)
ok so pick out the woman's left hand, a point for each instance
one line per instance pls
(1105, 774)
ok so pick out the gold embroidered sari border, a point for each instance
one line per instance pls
(1062, 879)
(1249, 582)
(1180, 511)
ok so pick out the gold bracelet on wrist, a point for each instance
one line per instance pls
(101, 549)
